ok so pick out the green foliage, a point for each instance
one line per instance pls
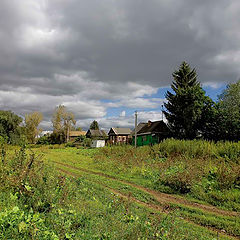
(87, 142)
(44, 140)
(187, 105)
(38, 203)
(10, 127)
(32, 122)
(82, 141)
(62, 121)
(74, 160)
(206, 170)
(229, 112)
(94, 125)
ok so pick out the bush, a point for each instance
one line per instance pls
(44, 140)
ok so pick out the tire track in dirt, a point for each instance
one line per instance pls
(162, 198)
(154, 207)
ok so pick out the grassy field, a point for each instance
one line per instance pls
(176, 190)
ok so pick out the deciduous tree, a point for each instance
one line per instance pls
(229, 112)
(10, 128)
(32, 122)
(62, 121)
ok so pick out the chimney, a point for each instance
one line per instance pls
(149, 123)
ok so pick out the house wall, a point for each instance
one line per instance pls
(98, 143)
(118, 138)
(146, 140)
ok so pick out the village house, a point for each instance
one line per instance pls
(96, 134)
(139, 127)
(73, 135)
(119, 135)
(152, 133)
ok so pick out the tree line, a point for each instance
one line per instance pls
(14, 129)
(189, 112)
(192, 114)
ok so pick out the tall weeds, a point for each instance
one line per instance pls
(203, 169)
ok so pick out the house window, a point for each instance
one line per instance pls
(144, 138)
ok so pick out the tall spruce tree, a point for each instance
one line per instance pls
(186, 104)
(94, 125)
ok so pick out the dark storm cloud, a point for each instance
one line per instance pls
(144, 41)
(79, 51)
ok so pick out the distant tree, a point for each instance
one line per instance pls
(10, 128)
(229, 112)
(186, 103)
(210, 125)
(78, 129)
(62, 121)
(94, 125)
(57, 119)
(32, 122)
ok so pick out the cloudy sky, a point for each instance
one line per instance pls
(104, 59)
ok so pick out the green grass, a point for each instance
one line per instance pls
(85, 207)
(138, 167)
(199, 178)
(38, 203)
(230, 224)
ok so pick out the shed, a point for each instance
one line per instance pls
(97, 143)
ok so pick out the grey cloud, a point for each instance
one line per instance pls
(124, 121)
(80, 52)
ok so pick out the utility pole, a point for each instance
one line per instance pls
(162, 112)
(135, 129)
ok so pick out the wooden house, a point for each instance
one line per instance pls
(73, 135)
(119, 135)
(152, 133)
(139, 127)
(96, 134)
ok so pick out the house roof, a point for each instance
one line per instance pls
(121, 131)
(77, 133)
(139, 127)
(97, 133)
(151, 127)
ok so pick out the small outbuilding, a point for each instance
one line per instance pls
(119, 135)
(152, 133)
(97, 143)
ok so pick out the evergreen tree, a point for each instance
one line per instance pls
(94, 125)
(186, 104)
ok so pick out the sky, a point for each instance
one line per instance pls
(105, 59)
